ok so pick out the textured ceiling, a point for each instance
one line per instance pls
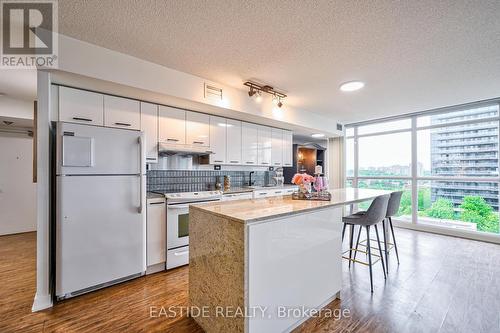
(413, 55)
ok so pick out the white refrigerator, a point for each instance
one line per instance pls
(100, 207)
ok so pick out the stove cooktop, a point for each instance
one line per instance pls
(192, 196)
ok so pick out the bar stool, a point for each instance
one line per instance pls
(374, 215)
(392, 209)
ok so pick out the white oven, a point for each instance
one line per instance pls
(178, 223)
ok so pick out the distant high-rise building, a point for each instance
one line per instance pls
(468, 150)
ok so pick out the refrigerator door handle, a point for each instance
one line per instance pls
(140, 141)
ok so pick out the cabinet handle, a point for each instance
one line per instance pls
(262, 193)
(249, 162)
(277, 192)
(209, 152)
(277, 163)
(156, 203)
(174, 140)
(151, 158)
(287, 164)
(218, 161)
(123, 124)
(82, 119)
(234, 162)
(198, 142)
(264, 163)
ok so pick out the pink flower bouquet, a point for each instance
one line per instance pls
(304, 181)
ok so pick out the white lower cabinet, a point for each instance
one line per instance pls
(156, 233)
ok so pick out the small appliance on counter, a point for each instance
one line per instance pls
(278, 178)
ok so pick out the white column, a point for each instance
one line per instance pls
(43, 298)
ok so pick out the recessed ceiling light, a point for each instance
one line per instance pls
(318, 135)
(351, 86)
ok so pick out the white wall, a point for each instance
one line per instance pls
(15, 108)
(17, 191)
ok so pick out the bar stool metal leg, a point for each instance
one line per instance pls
(369, 256)
(343, 231)
(351, 236)
(394, 239)
(357, 243)
(386, 240)
(380, 252)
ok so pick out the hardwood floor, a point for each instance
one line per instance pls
(443, 284)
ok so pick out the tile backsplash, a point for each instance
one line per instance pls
(170, 181)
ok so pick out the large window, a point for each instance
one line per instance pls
(451, 168)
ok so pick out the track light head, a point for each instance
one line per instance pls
(251, 92)
(258, 97)
(280, 104)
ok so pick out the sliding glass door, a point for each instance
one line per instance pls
(445, 162)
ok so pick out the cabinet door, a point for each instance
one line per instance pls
(197, 129)
(149, 125)
(218, 127)
(249, 143)
(80, 106)
(122, 113)
(233, 143)
(287, 148)
(172, 125)
(156, 222)
(277, 147)
(264, 146)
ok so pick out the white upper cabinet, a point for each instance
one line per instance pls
(218, 127)
(265, 145)
(233, 142)
(277, 147)
(197, 129)
(122, 113)
(287, 148)
(149, 125)
(249, 143)
(80, 106)
(172, 125)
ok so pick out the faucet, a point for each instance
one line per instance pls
(250, 182)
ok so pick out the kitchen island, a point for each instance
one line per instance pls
(262, 265)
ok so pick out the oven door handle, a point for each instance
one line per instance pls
(177, 206)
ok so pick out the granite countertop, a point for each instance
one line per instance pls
(246, 211)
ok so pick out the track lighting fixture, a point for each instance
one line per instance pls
(257, 90)
(258, 97)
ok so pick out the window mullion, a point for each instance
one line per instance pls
(414, 171)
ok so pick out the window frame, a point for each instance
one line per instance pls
(414, 178)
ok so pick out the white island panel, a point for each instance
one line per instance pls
(293, 262)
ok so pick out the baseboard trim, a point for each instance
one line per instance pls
(41, 302)
(478, 236)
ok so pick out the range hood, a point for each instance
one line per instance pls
(169, 150)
